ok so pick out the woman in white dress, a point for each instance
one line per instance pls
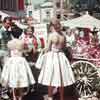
(55, 67)
(16, 72)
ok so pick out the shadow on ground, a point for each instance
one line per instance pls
(70, 93)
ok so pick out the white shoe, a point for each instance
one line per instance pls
(4, 96)
(45, 97)
(55, 91)
(50, 98)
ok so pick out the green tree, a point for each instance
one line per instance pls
(71, 3)
(27, 2)
(74, 2)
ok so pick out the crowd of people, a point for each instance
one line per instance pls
(21, 51)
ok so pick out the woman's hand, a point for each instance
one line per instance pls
(44, 50)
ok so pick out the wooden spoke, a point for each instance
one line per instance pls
(85, 75)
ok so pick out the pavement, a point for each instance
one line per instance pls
(41, 92)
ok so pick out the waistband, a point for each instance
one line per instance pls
(56, 50)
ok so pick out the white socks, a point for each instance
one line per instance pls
(50, 98)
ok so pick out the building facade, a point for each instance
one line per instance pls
(12, 5)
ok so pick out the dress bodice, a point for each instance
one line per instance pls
(15, 52)
(57, 41)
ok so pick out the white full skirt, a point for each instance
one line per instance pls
(55, 69)
(17, 73)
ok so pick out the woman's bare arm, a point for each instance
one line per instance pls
(49, 43)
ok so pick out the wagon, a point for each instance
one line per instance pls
(86, 68)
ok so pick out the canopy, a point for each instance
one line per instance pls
(9, 14)
(47, 4)
(3, 14)
(85, 21)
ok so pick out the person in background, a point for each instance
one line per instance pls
(55, 67)
(70, 43)
(81, 33)
(30, 21)
(31, 44)
(16, 72)
(70, 38)
(5, 36)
